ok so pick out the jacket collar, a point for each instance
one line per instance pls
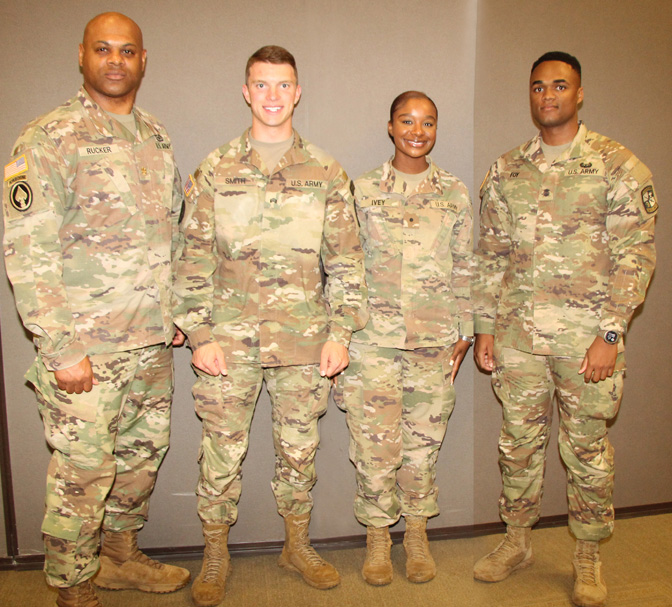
(532, 149)
(431, 184)
(107, 126)
(244, 153)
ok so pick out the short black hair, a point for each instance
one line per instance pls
(559, 56)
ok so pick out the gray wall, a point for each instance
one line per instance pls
(353, 60)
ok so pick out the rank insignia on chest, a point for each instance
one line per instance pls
(649, 199)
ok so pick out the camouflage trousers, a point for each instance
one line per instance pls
(398, 403)
(226, 405)
(526, 383)
(108, 445)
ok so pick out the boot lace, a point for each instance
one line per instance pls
(303, 547)
(379, 545)
(139, 556)
(506, 549)
(587, 567)
(416, 541)
(215, 554)
(81, 595)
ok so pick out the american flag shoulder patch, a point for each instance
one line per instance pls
(189, 185)
(16, 167)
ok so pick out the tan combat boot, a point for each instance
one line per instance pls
(298, 555)
(81, 595)
(420, 566)
(513, 552)
(589, 587)
(210, 585)
(124, 567)
(377, 569)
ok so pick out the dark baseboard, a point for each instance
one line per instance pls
(36, 561)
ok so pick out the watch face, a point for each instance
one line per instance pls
(611, 337)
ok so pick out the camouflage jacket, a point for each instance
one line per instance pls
(255, 247)
(566, 251)
(418, 259)
(90, 220)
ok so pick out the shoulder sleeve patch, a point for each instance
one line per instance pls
(189, 186)
(16, 167)
(22, 194)
(649, 200)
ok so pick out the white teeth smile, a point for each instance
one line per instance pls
(272, 109)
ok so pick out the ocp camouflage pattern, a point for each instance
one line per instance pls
(566, 251)
(526, 383)
(398, 403)
(90, 224)
(418, 259)
(255, 247)
(226, 405)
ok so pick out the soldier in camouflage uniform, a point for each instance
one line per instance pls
(266, 214)
(91, 203)
(416, 232)
(565, 255)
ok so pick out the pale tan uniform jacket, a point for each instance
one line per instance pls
(90, 221)
(418, 257)
(256, 247)
(566, 251)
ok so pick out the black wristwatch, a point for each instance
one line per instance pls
(611, 337)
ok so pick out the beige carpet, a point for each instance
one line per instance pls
(637, 568)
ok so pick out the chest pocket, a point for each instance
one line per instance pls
(103, 191)
(428, 228)
(586, 178)
(157, 168)
(238, 208)
(294, 217)
(382, 223)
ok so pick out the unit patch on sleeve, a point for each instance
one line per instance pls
(21, 196)
(649, 199)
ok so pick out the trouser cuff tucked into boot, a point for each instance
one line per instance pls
(124, 567)
(298, 555)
